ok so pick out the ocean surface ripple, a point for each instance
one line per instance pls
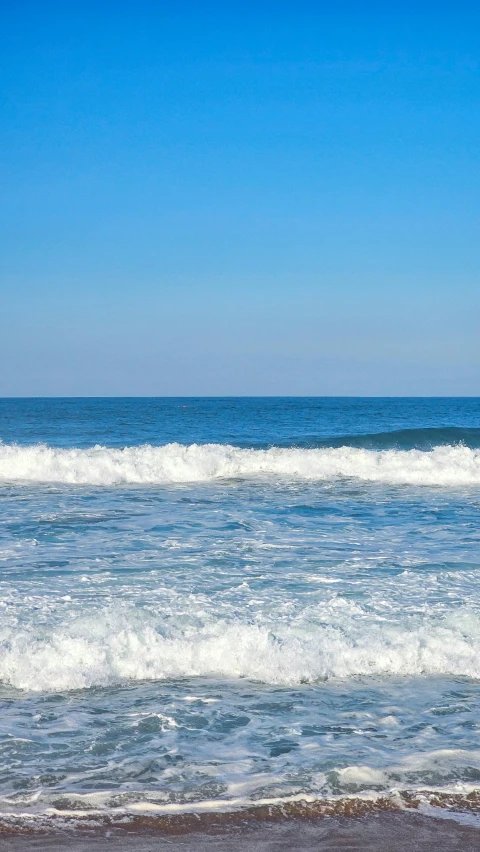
(212, 605)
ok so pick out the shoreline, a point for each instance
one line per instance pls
(170, 821)
(395, 831)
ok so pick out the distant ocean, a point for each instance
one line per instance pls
(238, 606)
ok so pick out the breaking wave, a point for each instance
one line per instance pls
(409, 439)
(448, 465)
(107, 648)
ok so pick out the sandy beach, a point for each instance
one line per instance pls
(392, 832)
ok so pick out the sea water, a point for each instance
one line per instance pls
(212, 604)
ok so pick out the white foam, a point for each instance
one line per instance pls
(94, 805)
(176, 463)
(108, 647)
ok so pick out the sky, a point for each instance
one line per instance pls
(211, 198)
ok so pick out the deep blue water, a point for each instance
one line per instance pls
(213, 602)
(244, 422)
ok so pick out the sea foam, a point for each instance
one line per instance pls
(111, 647)
(449, 465)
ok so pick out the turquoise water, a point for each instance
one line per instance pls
(214, 603)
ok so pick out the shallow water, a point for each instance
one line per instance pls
(212, 604)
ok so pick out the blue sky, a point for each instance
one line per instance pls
(239, 198)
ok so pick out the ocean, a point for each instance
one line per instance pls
(223, 607)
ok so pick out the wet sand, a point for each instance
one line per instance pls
(373, 833)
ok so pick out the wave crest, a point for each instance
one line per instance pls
(178, 463)
(109, 647)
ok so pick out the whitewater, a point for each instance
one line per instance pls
(108, 649)
(213, 604)
(176, 463)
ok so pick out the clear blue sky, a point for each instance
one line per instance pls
(239, 198)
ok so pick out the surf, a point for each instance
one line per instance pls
(445, 465)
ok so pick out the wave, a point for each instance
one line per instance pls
(177, 463)
(110, 647)
(148, 812)
(409, 439)
(417, 814)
